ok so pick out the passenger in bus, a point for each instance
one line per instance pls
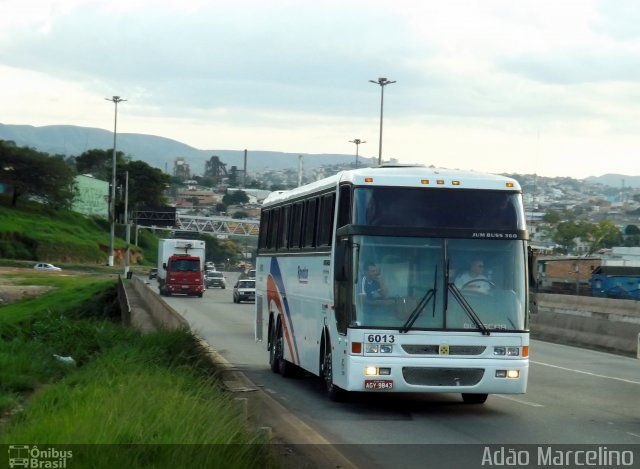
(474, 279)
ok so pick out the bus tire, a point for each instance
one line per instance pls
(273, 363)
(285, 368)
(334, 392)
(474, 398)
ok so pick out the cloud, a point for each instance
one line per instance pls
(577, 66)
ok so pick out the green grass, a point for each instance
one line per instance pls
(35, 232)
(155, 396)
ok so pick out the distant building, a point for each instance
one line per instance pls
(622, 256)
(181, 168)
(616, 282)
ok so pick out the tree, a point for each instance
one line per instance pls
(207, 181)
(99, 163)
(565, 235)
(146, 184)
(605, 235)
(35, 174)
(235, 198)
(551, 216)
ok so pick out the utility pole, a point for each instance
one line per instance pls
(244, 173)
(112, 205)
(382, 82)
(357, 141)
(126, 220)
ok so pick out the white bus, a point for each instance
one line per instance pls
(429, 327)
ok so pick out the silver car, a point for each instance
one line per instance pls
(244, 290)
(215, 279)
(43, 266)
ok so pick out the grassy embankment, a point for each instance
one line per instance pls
(33, 232)
(143, 393)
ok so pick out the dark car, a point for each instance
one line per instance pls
(244, 290)
(215, 279)
(153, 273)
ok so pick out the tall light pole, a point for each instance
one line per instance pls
(382, 82)
(357, 141)
(128, 229)
(112, 205)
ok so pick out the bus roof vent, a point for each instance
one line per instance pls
(400, 165)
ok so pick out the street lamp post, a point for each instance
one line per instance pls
(357, 141)
(382, 82)
(128, 226)
(112, 205)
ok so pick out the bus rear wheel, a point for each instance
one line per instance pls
(474, 398)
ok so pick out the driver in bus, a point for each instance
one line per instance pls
(373, 286)
(474, 280)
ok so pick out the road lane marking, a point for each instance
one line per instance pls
(519, 401)
(587, 373)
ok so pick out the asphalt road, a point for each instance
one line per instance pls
(575, 397)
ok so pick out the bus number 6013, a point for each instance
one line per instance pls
(378, 338)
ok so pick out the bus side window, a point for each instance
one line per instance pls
(344, 206)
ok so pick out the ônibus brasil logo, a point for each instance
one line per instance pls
(34, 457)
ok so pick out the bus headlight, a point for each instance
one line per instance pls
(375, 371)
(507, 351)
(371, 348)
(370, 371)
(378, 348)
(512, 374)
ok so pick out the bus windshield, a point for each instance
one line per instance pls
(433, 208)
(423, 283)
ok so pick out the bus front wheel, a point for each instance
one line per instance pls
(474, 398)
(334, 392)
(282, 366)
(273, 362)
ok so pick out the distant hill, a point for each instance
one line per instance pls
(615, 180)
(157, 151)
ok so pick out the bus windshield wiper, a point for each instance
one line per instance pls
(424, 301)
(468, 308)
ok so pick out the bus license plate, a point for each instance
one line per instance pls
(378, 384)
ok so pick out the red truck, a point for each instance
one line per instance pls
(180, 267)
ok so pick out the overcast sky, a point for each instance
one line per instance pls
(544, 86)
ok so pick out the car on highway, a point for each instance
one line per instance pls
(215, 279)
(244, 290)
(49, 267)
(153, 273)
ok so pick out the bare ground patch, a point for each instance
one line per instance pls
(10, 293)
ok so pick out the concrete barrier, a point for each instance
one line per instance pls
(600, 323)
(162, 315)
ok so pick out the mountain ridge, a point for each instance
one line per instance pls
(161, 152)
(158, 151)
